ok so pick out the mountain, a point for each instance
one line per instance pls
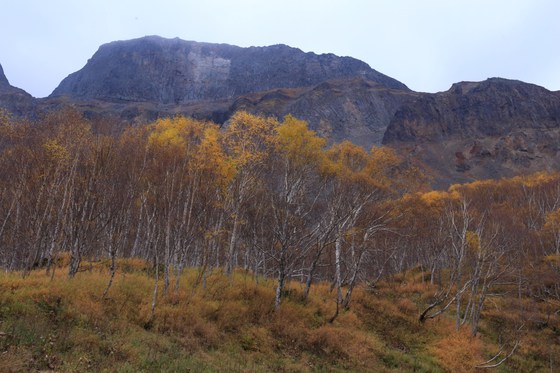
(14, 100)
(175, 71)
(475, 130)
(139, 80)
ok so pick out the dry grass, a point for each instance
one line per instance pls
(229, 324)
(457, 351)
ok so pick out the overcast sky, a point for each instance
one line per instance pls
(426, 44)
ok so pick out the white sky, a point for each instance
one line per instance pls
(426, 44)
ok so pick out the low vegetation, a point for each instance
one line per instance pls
(224, 323)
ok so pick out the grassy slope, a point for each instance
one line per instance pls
(228, 325)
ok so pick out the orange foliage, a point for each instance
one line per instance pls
(458, 351)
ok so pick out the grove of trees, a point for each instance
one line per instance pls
(272, 198)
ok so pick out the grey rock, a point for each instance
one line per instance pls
(514, 126)
(355, 109)
(493, 107)
(176, 71)
(3, 80)
(16, 101)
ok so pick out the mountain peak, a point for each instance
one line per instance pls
(3, 80)
(497, 84)
(172, 71)
(14, 100)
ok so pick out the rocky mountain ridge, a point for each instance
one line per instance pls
(489, 129)
(175, 71)
(493, 128)
(493, 107)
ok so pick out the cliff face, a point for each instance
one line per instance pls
(472, 109)
(478, 130)
(173, 71)
(351, 109)
(14, 100)
(3, 80)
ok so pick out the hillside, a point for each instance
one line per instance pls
(478, 130)
(356, 109)
(214, 323)
(182, 245)
(139, 80)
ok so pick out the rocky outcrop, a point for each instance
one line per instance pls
(174, 71)
(472, 109)
(16, 101)
(476, 130)
(355, 109)
(3, 80)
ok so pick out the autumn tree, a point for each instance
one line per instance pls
(293, 190)
(249, 141)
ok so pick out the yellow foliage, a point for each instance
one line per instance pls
(552, 259)
(538, 178)
(455, 191)
(298, 143)
(175, 134)
(55, 151)
(435, 198)
(211, 157)
(248, 138)
(380, 168)
(71, 130)
(347, 161)
(382, 159)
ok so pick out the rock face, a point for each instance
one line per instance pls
(174, 71)
(3, 80)
(472, 109)
(355, 109)
(476, 130)
(14, 100)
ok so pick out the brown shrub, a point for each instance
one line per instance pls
(407, 306)
(458, 351)
(329, 342)
(231, 316)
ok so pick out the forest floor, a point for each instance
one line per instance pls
(217, 323)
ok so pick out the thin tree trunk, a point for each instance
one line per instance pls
(232, 244)
(338, 276)
(338, 272)
(113, 270)
(150, 321)
(280, 285)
